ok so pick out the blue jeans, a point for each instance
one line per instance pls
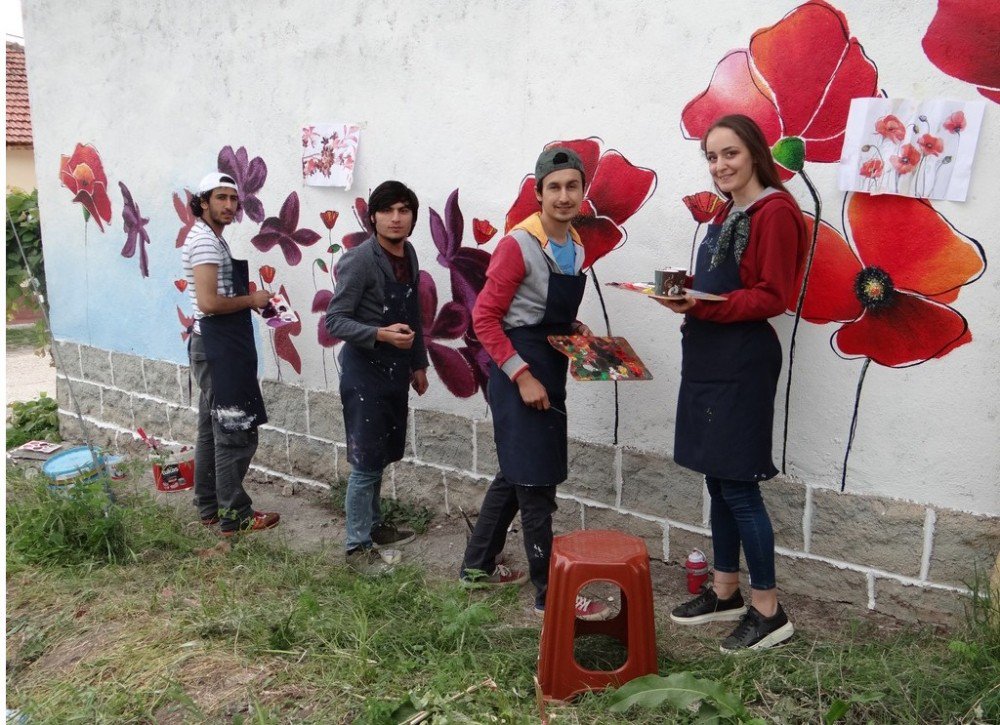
(740, 517)
(363, 507)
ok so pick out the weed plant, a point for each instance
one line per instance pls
(174, 627)
(31, 420)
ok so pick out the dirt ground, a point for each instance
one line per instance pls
(28, 375)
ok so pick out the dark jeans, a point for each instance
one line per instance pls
(740, 517)
(221, 459)
(502, 500)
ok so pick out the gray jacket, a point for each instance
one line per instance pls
(355, 312)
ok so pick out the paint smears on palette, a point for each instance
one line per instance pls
(600, 358)
(647, 289)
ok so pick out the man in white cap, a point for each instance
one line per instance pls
(224, 362)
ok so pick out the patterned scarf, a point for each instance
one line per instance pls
(735, 233)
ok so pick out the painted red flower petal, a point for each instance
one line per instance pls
(183, 209)
(599, 236)
(524, 205)
(914, 244)
(267, 273)
(482, 230)
(619, 188)
(733, 89)
(283, 345)
(830, 296)
(910, 331)
(704, 205)
(961, 41)
(814, 68)
(329, 218)
(451, 323)
(321, 300)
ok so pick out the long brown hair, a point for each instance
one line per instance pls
(751, 135)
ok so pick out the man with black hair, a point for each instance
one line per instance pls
(375, 310)
(224, 362)
(534, 286)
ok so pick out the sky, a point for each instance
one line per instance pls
(12, 19)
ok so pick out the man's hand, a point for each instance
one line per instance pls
(582, 329)
(533, 393)
(679, 306)
(259, 299)
(419, 381)
(399, 335)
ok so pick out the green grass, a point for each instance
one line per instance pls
(150, 620)
(32, 337)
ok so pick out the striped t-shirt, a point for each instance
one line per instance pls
(202, 246)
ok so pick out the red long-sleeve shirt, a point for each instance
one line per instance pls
(769, 266)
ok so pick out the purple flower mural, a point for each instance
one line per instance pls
(250, 175)
(448, 323)
(467, 265)
(135, 231)
(283, 231)
(361, 214)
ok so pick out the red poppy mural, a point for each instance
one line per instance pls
(83, 174)
(796, 80)
(615, 190)
(703, 207)
(891, 285)
(482, 230)
(962, 41)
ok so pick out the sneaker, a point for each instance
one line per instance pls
(589, 610)
(389, 535)
(260, 521)
(755, 631)
(707, 607)
(372, 562)
(501, 576)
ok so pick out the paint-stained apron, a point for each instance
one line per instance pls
(531, 444)
(375, 386)
(232, 362)
(729, 374)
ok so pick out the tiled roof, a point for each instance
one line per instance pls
(18, 110)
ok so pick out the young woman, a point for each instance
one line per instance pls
(729, 373)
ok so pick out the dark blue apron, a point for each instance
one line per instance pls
(375, 387)
(231, 353)
(531, 444)
(729, 374)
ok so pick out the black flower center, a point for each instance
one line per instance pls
(874, 289)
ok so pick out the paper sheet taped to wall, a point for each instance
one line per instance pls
(329, 152)
(921, 149)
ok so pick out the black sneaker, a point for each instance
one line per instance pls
(707, 607)
(755, 631)
(389, 535)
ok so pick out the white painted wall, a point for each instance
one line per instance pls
(464, 95)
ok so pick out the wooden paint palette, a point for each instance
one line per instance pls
(647, 289)
(600, 358)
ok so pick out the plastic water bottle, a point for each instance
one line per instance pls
(697, 571)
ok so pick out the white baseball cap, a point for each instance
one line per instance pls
(215, 180)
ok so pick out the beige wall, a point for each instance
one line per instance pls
(21, 169)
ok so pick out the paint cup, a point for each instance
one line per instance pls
(174, 473)
(668, 278)
(697, 571)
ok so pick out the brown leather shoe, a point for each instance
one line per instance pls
(260, 521)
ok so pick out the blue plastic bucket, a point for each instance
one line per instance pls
(74, 466)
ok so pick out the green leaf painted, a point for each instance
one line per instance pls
(333, 248)
(790, 152)
(322, 265)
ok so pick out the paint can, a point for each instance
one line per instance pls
(74, 466)
(697, 571)
(175, 472)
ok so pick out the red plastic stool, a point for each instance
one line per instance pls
(577, 559)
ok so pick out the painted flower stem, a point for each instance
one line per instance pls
(798, 311)
(607, 324)
(694, 245)
(854, 422)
